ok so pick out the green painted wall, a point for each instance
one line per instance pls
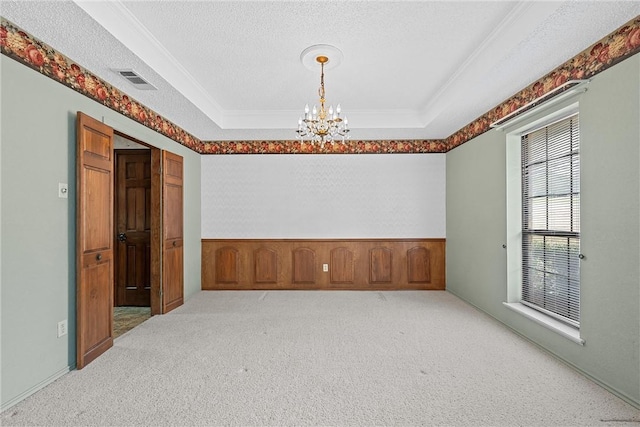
(38, 228)
(610, 225)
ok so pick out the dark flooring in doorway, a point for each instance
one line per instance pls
(127, 318)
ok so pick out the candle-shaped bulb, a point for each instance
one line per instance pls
(306, 109)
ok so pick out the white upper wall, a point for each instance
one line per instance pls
(323, 196)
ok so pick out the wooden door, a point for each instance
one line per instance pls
(172, 232)
(133, 228)
(94, 239)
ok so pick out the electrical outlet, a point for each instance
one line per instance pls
(62, 328)
(325, 267)
(63, 190)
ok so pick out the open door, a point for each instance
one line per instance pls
(172, 232)
(94, 239)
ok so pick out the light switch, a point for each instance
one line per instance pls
(325, 267)
(63, 190)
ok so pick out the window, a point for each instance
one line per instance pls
(551, 220)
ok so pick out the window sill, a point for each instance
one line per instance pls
(548, 322)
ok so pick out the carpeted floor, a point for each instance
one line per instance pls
(127, 318)
(323, 358)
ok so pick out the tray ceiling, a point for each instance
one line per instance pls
(231, 70)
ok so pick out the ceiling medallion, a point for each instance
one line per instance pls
(322, 125)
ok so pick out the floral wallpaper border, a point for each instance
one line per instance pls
(28, 50)
(349, 147)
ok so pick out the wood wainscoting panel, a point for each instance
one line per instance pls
(341, 266)
(380, 265)
(354, 264)
(304, 263)
(418, 265)
(227, 265)
(265, 265)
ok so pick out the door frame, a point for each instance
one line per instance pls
(100, 340)
(120, 249)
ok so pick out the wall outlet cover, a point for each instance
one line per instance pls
(62, 328)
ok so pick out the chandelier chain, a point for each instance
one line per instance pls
(321, 90)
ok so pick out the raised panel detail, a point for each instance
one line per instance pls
(341, 265)
(418, 265)
(266, 265)
(132, 275)
(174, 168)
(96, 144)
(97, 205)
(380, 265)
(173, 260)
(304, 265)
(227, 265)
(97, 277)
(173, 205)
(130, 170)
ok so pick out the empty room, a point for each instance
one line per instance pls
(320, 213)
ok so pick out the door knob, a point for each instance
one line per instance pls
(122, 237)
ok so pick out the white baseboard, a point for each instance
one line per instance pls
(35, 388)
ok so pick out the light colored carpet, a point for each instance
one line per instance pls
(323, 358)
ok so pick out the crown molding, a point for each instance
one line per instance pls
(16, 44)
(118, 20)
(505, 37)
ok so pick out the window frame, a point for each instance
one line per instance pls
(551, 111)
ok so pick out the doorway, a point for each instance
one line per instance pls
(97, 236)
(137, 224)
(132, 245)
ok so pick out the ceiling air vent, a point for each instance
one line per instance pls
(134, 78)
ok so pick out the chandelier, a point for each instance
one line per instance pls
(322, 125)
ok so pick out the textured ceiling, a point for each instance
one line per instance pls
(411, 70)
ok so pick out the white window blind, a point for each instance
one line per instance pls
(551, 220)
